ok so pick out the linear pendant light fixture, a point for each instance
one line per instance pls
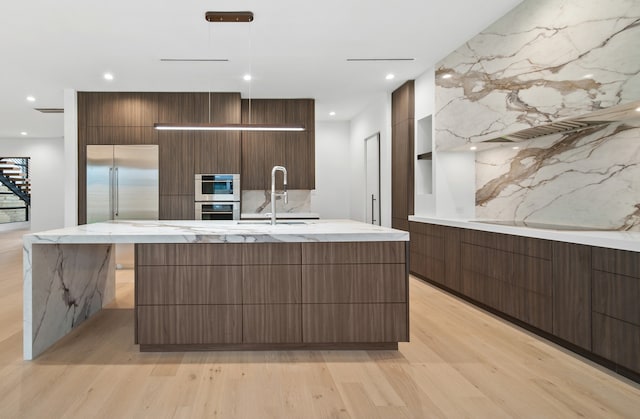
(228, 17)
(226, 127)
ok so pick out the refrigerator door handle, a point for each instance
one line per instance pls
(116, 193)
(110, 192)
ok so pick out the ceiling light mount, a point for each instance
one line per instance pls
(216, 17)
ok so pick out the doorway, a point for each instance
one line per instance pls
(372, 176)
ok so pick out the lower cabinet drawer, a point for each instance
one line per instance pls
(354, 283)
(189, 324)
(337, 323)
(616, 340)
(271, 323)
(189, 285)
(427, 267)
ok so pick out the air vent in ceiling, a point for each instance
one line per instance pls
(380, 59)
(190, 60)
(50, 110)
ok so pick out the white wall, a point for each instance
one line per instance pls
(455, 181)
(331, 196)
(47, 178)
(453, 173)
(374, 118)
(424, 93)
(71, 157)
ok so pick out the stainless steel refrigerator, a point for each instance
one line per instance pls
(122, 182)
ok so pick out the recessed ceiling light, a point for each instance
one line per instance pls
(390, 76)
(247, 77)
(473, 148)
(588, 76)
(108, 76)
(31, 98)
(515, 147)
(332, 113)
(23, 133)
(638, 109)
(446, 76)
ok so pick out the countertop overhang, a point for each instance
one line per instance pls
(622, 240)
(217, 232)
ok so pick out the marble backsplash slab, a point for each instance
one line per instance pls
(586, 178)
(545, 60)
(259, 202)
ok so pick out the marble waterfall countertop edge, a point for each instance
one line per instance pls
(621, 240)
(152, 231)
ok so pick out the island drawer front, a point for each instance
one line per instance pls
(353, 252)
(336, 323)
(189, 324)
(189, 285)
(189, 254)
(272, 323)
(356, 283)
(271, 254)
(616, 340)
(268, 284)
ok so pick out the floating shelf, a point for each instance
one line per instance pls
(425, 156)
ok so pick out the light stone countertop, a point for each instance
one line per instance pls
(281, 215)
(151, 231)
(622, 240)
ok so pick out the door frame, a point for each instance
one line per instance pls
(366, 198)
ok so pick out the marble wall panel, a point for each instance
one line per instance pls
(259, 202)
(545, 60)
(587, 178)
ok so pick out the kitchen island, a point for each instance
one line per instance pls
(225, 284)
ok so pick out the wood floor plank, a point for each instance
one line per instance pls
(460, 362)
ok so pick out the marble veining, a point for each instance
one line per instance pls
(74, 282)
(151, 231)
(69, 274)
(259, 202)
(585, 178)
(545, 60)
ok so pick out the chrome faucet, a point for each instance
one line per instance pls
(283, 194)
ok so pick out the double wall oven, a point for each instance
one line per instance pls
(217, 197)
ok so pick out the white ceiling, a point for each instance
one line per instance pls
(294, 48)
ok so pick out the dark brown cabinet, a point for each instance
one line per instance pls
(117, 109)
(402, 155)
(128, 118)
(326, 294)
(263, 150)
(516, 280)
(584, 297)
(572, 293)
(435, 253)
(616, 312)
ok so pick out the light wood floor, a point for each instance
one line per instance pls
(461, 362)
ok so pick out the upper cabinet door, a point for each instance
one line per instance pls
(263, 150)
(108, 109)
